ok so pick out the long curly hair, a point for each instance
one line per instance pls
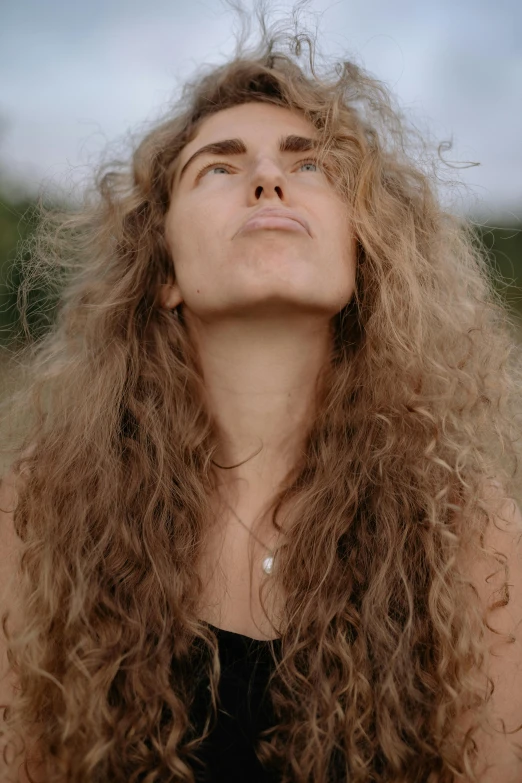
(416, 412)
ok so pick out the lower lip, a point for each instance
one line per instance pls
(271, 222)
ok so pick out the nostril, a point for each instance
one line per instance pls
(277, 189)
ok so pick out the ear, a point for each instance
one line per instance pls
(169, 296)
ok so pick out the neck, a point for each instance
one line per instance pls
(260, 378)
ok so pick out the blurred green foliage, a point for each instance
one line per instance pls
(18, 220)
(504, 245)
(17, 223)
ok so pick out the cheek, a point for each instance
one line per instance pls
(346, 238)
(191, 241)
(194, 226)
(181, 231)
(344, 249)
(340, 236)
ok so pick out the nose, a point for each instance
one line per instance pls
(267, 182)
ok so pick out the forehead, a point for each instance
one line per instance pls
(254, 120)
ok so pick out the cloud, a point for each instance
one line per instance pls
(77, 75)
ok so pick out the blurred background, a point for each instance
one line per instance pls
(81, 80)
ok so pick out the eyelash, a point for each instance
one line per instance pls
(227, 166)
(211, 166)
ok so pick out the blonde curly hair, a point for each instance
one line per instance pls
(383, 634)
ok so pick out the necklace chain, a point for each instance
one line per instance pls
(268, 561)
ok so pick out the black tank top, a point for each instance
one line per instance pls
(227, 755)
(244, 711)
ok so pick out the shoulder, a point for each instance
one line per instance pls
(9, 550)
(499, 585)
(10, 485)
(503, 540)
(9, 489)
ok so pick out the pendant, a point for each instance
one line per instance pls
(268, 564)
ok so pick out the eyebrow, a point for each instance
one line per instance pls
(238, 147)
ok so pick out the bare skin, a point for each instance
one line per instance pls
(258, 303)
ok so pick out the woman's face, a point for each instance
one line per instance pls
(224, 268)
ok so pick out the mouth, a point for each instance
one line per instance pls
(275, 219)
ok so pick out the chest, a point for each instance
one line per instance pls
(232, 572)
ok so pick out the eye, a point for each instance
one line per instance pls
(211, 167)
(309, 163)
(312, 166)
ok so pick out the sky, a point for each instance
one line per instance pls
(78, 78)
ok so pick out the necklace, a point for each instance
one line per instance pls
(268, 561)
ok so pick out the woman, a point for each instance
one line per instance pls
(257, 526)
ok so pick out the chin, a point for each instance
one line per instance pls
(283, 306)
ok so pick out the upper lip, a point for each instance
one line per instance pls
(278, 212)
